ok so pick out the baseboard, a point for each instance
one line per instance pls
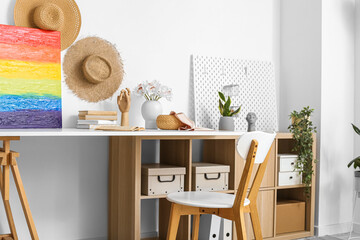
(97, 238)
(149, 235)
(357, 227)
(143, 235)
(333, 229)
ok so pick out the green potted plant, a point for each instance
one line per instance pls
(227, 113)
(356, 163)
(302, 129)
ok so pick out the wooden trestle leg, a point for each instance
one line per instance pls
(8, 159)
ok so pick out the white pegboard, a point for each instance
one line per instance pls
(257, 91)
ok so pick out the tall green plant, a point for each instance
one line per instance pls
(224, 106)
(302, 129)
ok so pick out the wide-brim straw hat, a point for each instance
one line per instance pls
(57, 15)
(93, 69)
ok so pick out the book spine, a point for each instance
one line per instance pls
(93, 117)
(95, 122)
(97, 113)
(86, 126)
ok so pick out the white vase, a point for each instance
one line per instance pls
(357, 181)
(150, 110)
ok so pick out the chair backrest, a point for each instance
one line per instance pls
(264, 139)
(254, 147)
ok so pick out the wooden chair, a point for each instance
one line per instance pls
(255, 148)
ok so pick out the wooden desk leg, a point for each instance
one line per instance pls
(6, 181)
(24, 202)
(124, 188)
(9, 215)
(6, 170)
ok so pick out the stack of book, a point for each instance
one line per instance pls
(92, 119)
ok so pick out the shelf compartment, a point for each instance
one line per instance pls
(175, 152)
(290, 216)
(285, 146)
(222, 151)
(297, 194)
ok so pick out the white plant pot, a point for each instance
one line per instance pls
(150, 110)
(227, 124)
(357, 181)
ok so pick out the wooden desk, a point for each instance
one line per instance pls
(125, 197)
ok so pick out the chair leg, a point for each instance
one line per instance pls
(255, 221)
(240, 225)
(195, 227)
(173, 222)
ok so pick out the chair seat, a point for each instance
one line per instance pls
(204, 199)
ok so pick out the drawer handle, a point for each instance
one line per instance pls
(210, 178)
(162, 181)
(291, 177)
(292, 164)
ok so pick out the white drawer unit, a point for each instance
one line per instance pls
(289, 178)
(158, 179)
(210, 177)
(287, 162)
(287, 174)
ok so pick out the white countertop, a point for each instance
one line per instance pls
(86, 132)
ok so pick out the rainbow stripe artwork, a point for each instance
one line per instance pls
(30, 78)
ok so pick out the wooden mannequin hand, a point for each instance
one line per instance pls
(124, 100)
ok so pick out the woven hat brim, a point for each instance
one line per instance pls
(24, 12)
(74, 76)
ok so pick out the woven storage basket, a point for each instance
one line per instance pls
(168, 122)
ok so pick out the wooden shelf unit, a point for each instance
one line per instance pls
(125, 183)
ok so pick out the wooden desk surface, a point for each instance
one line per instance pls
(86, 132)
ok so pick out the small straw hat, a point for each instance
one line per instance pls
(57, 15)
(93, 69)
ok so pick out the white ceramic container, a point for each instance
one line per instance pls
(357, 181)
(227, 124)
(150, 110)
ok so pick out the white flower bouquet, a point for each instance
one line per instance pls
(153, 91)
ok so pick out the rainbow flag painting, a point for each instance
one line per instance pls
(30, 78)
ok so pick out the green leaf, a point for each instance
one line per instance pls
(236, 111)
(356, 129)
(221, 107)
(355, 161)
(222, 97)
(227, 104)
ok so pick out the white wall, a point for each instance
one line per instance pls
(155, 39)
(337, 112)
(65, 180)
(317, 69)
(300, 62)
(300, 58)
(357, 87)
